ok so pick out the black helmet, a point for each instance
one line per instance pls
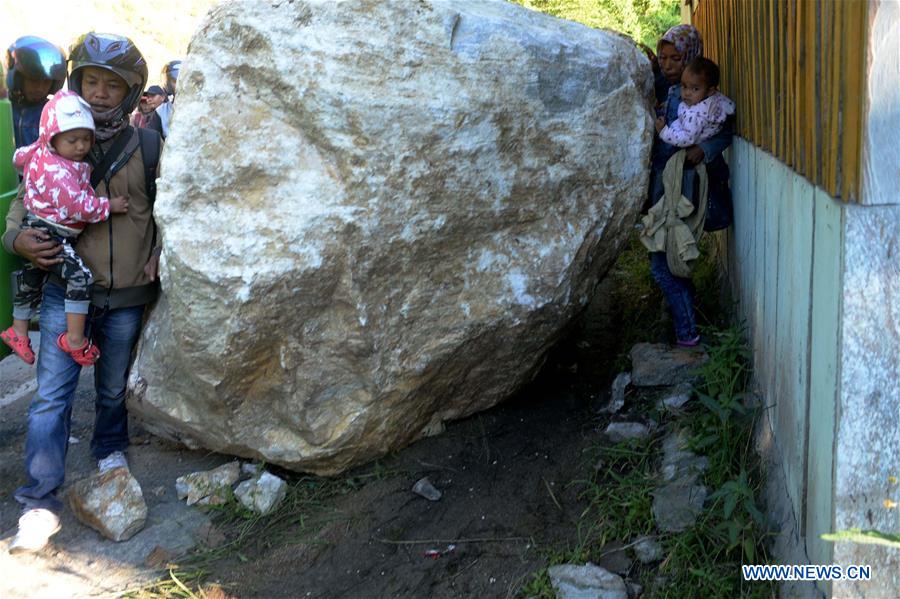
(35, 58)
(170, 76)
(113, 53)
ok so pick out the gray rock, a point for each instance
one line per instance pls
(634, 589)
(586, 582)
(111, 503)
(648, 550)
(261, 494)
(424, 488)
(617, 393)
(677, 505)
(656, 364)
(675, 398)
(209, 487)
(431, 246)
(626, 431)
(614, 558)
(678, 462)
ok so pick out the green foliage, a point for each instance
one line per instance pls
(643, 20)
(703, 561)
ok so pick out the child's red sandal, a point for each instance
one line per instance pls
(20, 345)
(85, 355)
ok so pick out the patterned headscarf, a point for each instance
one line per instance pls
(687, 41)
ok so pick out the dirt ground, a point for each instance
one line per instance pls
(507, 477)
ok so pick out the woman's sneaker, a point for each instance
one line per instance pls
(689, 342)
(36, 526)
(114, 460)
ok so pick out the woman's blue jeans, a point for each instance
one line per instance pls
(679, 294)
(49, 418)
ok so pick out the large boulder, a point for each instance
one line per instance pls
(377, 216)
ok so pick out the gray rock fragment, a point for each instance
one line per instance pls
(634, 589)
(677, 505)
(617, 393)
(261, 494)
(589, 581)
(424, 488)
(675, 398)
(648, 550)
(678, 462)
(207, 487)
(625, 431)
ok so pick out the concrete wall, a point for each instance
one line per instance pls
(817, 283)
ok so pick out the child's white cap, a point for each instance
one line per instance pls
(72, 112)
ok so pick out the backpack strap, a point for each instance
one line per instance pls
(114, 159)
(150, 151)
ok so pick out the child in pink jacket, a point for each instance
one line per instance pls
(61, 202)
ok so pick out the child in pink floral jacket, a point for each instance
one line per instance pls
(60, 201)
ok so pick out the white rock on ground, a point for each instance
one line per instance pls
(199, 487)
(626, 431)
(617, 393)
(648, 550)
(111, 503)
(380, 215)
(675, 397)
(589, 581)
(261, 494)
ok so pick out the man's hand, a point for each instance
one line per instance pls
(694, 155)
(36, 246)
(151, 269)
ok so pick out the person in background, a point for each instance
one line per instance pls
(110, 74)
(159, 121)
(35, 68)
(150, 101)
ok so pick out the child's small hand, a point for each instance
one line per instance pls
(118, 205)
(660, 123)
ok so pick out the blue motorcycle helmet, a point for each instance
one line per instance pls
(35, 58)
(170, 76)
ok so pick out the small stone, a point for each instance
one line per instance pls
(678, 462)
(614, 558)
(261, 494)
(626, 431)
(677, 396)
(159, 491)
(424, 488)
(434, 427)
(111, 503)
(73, 440)
(250, 469)
(617, 393)
(197, 485)
(158, 558)
(589, 581)
(654, 364)
(677, 506)
(647, 550)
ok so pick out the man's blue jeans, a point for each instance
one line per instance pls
(49, 418)
(679, 294)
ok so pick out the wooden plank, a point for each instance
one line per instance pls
(853, 94)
